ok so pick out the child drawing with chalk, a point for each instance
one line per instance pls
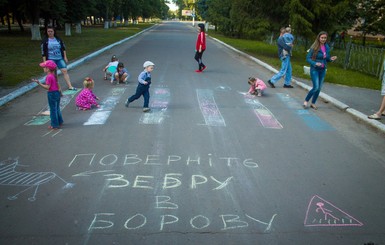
(121, 75)
(53, 94)
(86, 99)
(144, 81)
(110, 68)
(257, 86)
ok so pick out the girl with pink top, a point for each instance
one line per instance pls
(256, 86)
(86, 98)
(53, 94)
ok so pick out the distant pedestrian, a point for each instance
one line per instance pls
(200, 47)
(257, 86)
(144, 81)
(121, 75)
(111, 67)
(286, 69)
(53, 94)
(381, 111)
(317, 57)
(53, 48)
(86, 99)
(289, 40)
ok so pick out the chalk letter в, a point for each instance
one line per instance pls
(163, 202)
(233, 219)
(106, 224)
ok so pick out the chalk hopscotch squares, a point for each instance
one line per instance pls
(264, 115)
(30, 180)
(323, 213)
(209, 108)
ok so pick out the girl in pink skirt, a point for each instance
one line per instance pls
(86, 98)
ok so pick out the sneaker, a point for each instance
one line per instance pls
(203, 68)
(72, 88)
(146, 109)
(271, 84)
(288, 86)
(198, 71)
(374, 116)
(127, 103)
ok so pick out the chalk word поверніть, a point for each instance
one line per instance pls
(158, 160)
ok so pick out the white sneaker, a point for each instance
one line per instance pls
(146, 109)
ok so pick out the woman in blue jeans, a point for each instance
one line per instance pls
(317, 57)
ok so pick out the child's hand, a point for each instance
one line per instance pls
(145, 83)
(97, 98)
(35, 80)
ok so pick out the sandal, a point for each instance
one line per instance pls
(374, 116)
(314, 107)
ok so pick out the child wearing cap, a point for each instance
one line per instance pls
(110, 68)
(144, 81)
(53, 94)
(86, 98)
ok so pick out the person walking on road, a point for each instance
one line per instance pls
(53, 94)
(381, 111)
(53, 48)
(200, 47)
(317, 57)
(144, 81)
(286, 69)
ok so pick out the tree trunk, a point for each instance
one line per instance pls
(35, 31)
(106, 24)
(67, 27)
(78, 28)
(9, 23)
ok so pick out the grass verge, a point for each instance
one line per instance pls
(20, 57)
(268, 53)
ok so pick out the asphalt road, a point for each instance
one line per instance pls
(208, 165)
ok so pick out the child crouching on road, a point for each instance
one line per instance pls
(256, 86)
(144, 81)
(86, 98)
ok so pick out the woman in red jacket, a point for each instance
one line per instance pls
(200, 47)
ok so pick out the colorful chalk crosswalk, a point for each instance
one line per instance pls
(210, 111)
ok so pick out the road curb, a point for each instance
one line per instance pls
(358, 115)
(20, 91)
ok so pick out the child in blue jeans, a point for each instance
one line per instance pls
(144, 81)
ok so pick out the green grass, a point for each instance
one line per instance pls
(20, 57)
(268, 53)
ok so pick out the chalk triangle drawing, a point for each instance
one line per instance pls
(323, 213)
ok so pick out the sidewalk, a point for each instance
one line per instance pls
(358, 102)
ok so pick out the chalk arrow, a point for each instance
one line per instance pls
(88, 173)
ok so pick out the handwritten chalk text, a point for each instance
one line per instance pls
(91, 159)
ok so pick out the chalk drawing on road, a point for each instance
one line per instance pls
(31, 180)
(311, 120)
(159, 104)
(223, 88)
(101, 115)
(209, 108)
(264, 115)
(43, 116)
(323, 213)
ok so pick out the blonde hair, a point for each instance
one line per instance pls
(88, 82)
